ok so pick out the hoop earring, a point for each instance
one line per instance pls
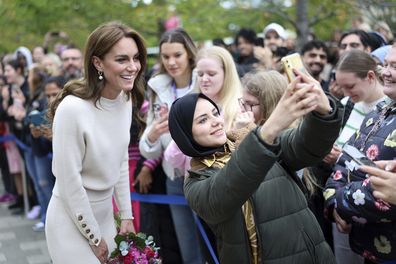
(100, 77)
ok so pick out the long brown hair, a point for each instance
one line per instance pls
(99, 43)
(179, 35)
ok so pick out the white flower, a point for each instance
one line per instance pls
(358, 197)
(123, 247)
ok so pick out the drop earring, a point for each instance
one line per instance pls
(100, 73)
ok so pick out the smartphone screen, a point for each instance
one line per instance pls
(357, 156)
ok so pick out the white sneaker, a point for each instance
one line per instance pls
(34, 213)
(39, 227)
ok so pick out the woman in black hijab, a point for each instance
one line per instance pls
(248, 196)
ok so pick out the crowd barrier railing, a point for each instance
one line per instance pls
(146, 198)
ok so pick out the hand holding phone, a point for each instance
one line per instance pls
(357, 156)
(159, 109)
(36, 118)
(293, 61)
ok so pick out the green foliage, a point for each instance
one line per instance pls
(25, 22)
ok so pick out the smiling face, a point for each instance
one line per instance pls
(175, 59)
(315, 59)
(389, 74)
(210, 77)
(72, 61)
(120, 67)
(356, 88)
(208, 125)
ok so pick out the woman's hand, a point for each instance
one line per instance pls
(144, 179)
(159, 126)
(243, 119)
(101, 251)
(332, 157)
(126, 227)
(35, 131)
(46, 131)
(383, 180)
(323, 104)
(295, 103)
(5, 93)
(342, 225)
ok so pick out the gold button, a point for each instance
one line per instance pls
(84, 225)
(80, 218)
(91, 237)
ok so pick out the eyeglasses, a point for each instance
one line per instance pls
(70, 58)
(246, 106)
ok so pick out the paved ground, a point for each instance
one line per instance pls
(19, 244)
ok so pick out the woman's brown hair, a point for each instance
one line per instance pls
(179, 35)
(99, 43)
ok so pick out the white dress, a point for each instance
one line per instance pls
(90, 163)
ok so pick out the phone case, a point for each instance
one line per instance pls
(37, 118)
(290, 62)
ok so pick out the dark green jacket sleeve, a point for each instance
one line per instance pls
(312, 140)
(219, 196)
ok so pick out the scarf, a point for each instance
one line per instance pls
(219, 160)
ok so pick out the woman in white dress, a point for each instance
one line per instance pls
(91, 122)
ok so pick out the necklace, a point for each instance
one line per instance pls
(384, 113)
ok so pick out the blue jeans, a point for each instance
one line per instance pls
(46, 182)
(184, 223)
(39, 169)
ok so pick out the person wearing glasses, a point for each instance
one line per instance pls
(262, 91)
(72, 63)
(245, 192)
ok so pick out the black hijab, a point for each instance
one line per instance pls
(180, 126)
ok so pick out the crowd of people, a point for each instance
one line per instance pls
(265, 162)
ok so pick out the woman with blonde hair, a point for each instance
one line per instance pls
(217, 78)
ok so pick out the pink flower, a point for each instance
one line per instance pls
(382, 205)
(337, 175)
(372, 152)
(367, 254)
(366, 182)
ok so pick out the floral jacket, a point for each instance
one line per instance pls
(349, 190)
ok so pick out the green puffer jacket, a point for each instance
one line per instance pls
(287, 230)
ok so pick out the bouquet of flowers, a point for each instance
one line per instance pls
(135, 249)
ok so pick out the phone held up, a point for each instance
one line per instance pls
(157, 109)
(293, 61)
(37, 118)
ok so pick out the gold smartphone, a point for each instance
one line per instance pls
(293, 61)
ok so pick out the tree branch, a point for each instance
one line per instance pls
(283, 15)
(318, 12)
(317, 19)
